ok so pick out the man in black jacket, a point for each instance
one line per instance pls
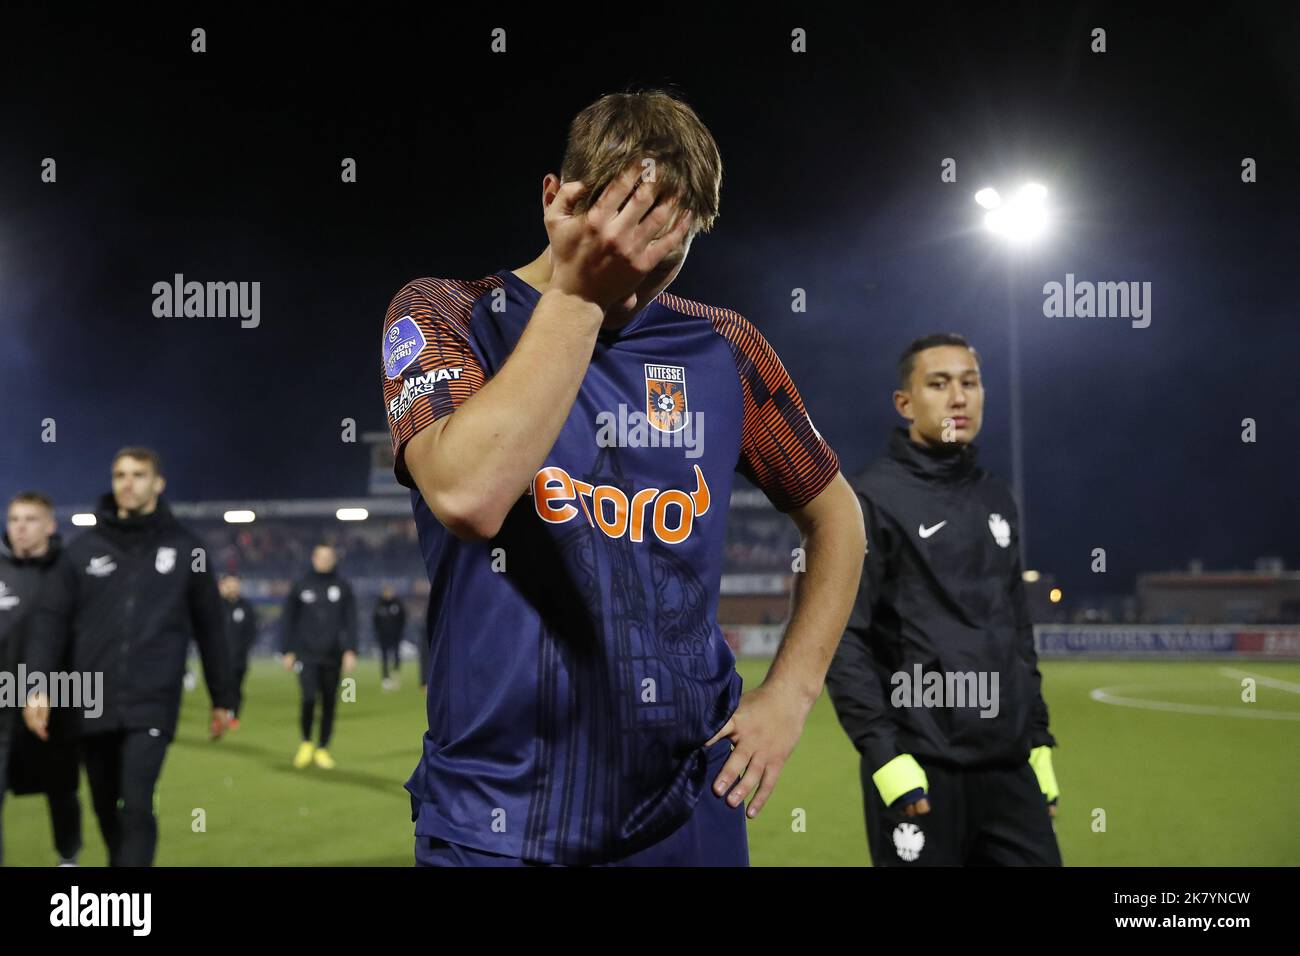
(390, 623)
(936, 680)
(124, 599)
(52, 767)
(319, 633)
(241, 635)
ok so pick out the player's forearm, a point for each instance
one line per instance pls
(47, 640)
(486, 455)
(859, 699)
(822, 599)
(289, 635)
(1039, 732)
(217, 666)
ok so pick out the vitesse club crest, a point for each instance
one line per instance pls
(665, 397)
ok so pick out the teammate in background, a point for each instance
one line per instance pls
(958, 780)
(124, 599)
(241, 635)
(28, 549)
(582, 699)
(390, 624)
(319, 634)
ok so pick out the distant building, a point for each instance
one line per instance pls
(1267, 595)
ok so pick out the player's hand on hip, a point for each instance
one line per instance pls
(36, 715)
(763, 730)
(603, 255)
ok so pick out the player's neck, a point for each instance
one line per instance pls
(538, 275)
(538, 272)
(35, 551)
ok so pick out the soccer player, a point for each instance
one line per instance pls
(389, 620)
(319, 633)
(28, 550)
(936, 680)
(127, 596)
(241, 635)
(571, 507)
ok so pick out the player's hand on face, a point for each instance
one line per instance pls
(764, 730)
(36, 715)
(286, 661)
(604, 254)
(349, 661)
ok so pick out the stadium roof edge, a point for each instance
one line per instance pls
(387, 506)
(383, 506)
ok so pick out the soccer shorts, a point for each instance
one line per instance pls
(988, 817)
(713, 835)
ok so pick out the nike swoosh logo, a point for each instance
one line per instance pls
(925, 532)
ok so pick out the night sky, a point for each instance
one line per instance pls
(225, 166)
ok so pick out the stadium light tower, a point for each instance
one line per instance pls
(1019, 222)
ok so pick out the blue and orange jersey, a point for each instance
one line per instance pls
(577, 665)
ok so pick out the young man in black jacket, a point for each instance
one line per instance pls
(936, 680)
(389, 621)
(28, 549)
(124, 600)
(241, 635)
(319, 632)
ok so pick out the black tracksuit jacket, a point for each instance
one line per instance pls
(390, 622)
(320, 619)
(123, 599)
(20, 583)
(950, 598)
(241, 631)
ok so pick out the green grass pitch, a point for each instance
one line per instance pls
(1186, 773)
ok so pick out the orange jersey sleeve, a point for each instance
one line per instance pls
(426, 362)
(781, 452)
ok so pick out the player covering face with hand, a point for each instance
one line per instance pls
(583, 706)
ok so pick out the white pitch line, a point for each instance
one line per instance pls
(1266, 681)
(1104, 695)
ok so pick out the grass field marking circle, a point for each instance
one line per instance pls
(1273, 682)
(1111, 695)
